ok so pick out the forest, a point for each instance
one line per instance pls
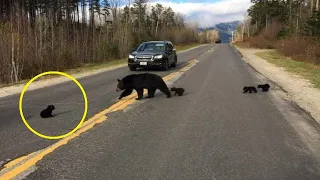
(292, 27)
(44, 35)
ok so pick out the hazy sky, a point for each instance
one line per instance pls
(208, 12)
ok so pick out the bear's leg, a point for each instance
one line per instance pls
(140, 94)
(125, 93)
(166, 91)
(245, 90)
(151, 92)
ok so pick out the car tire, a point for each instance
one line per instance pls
(132, 68)
(166, 66)
(174, 64)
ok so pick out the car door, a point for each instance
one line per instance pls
(170, 52)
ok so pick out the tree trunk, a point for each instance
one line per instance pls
(13, 64)
(157, 25)
(139, 25)
(242, 32)
(290, 13)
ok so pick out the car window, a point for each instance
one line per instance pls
(152, 47)
(169, 45)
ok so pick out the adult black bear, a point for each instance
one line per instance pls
(138, 82)
(249, 88)
(264, 87)
(46, 113)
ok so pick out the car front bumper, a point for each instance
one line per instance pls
(154, 63)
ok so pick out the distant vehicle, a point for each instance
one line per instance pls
(153, 54)
(218, 41)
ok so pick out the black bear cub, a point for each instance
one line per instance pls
(138, 82)
(250, 89)
(46, 113)
(264, 87)
(178, 91)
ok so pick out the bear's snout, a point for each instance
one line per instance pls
(118, 89)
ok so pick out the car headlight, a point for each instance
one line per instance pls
(158, 56)
(131, 56)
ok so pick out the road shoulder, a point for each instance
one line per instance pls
(300, 90)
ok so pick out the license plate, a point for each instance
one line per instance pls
(143, 63)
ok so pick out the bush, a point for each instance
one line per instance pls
(301, 48)
(267, 38)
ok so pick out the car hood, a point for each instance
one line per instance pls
(147, 53)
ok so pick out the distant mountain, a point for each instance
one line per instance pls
(224, 30)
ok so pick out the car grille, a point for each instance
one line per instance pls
(144, 57)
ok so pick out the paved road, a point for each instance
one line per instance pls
(16, 140)
(212, 132)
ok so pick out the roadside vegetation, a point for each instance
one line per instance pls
(43, 35)
(306, 70)
(292, 27)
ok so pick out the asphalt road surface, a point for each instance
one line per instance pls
(213, 132)
(16, 140)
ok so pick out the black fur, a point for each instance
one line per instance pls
(250, 89)
(264, 87)
(46, 113)
(138, 82)
(178, 91)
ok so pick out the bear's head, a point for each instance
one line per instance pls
(120, 86)
(51, 107)
(259, 86)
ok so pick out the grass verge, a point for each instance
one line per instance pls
(97, 66)
(186, 46)
(306, 70)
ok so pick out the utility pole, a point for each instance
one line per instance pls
(232, 36)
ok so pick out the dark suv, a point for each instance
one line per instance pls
(153, 54)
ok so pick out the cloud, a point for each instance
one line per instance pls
(209, 13)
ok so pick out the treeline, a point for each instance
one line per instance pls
(43, 35)
(290, 26)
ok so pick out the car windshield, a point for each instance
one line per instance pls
(151, 47)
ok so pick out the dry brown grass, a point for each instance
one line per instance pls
(304, 49)
(304, 69)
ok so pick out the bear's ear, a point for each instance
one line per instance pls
(119, 80)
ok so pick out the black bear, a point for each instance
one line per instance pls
(138, 82)
(264, 87)
(178, 91)
(46, 113)
(249, 88)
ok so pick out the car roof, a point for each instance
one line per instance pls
(157, 41)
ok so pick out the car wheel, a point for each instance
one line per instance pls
(132, 68)
(166, 66)
(174, 64)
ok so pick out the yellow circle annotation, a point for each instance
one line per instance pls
(84, 97)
